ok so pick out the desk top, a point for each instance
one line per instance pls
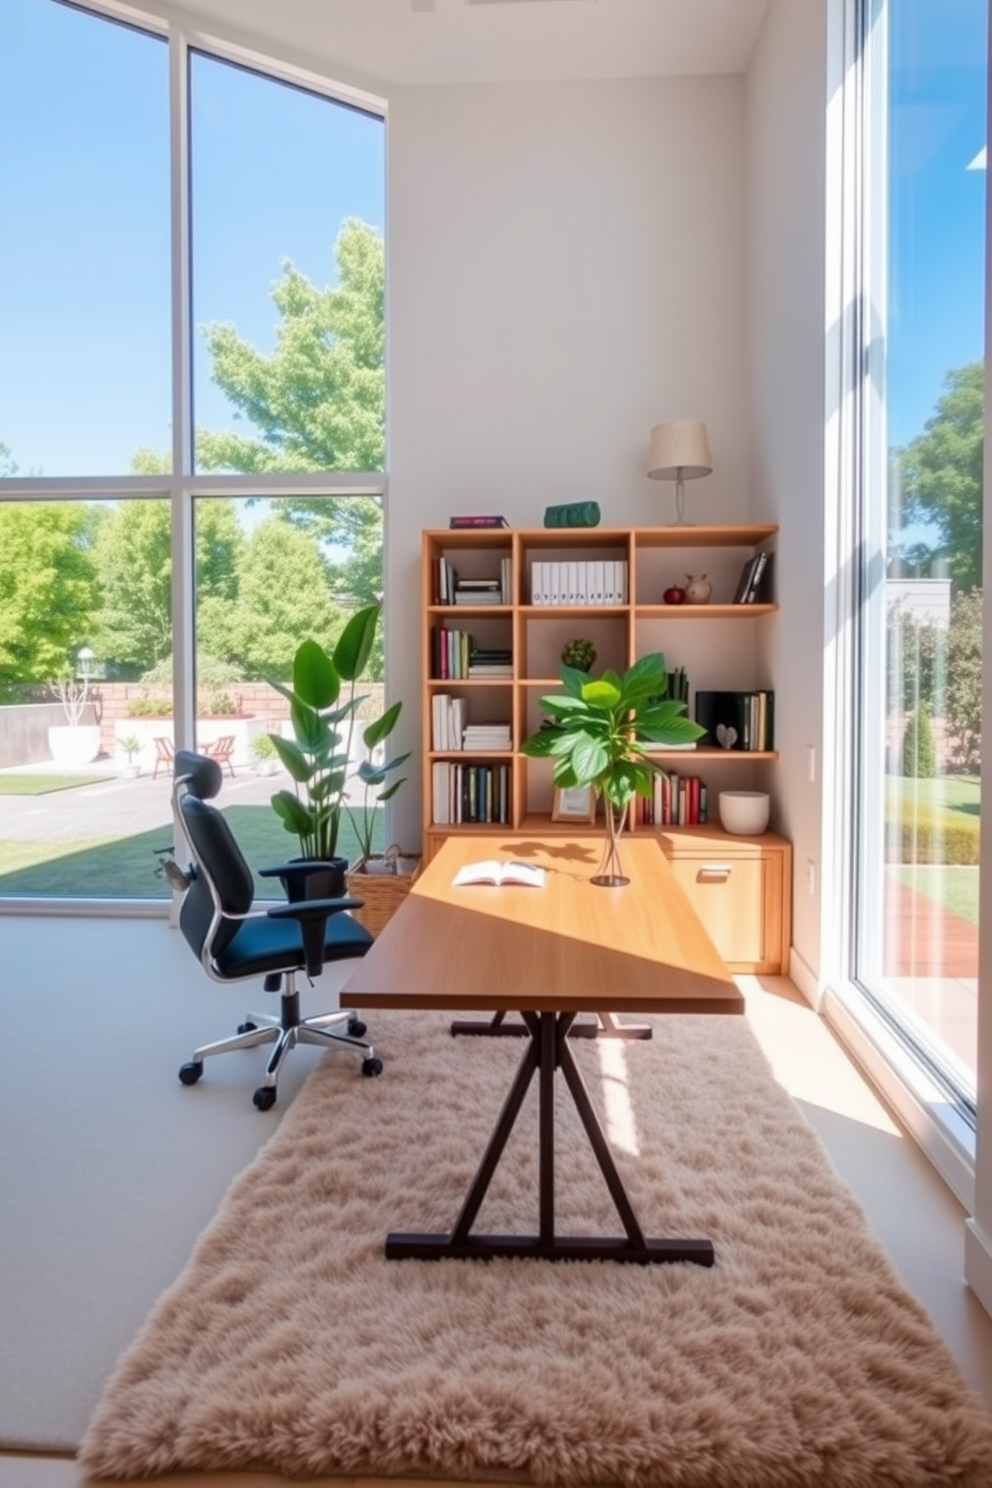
(568, 946)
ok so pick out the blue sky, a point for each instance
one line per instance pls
(84, 272)
(84, 276)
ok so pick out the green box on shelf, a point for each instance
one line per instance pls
(572, 514)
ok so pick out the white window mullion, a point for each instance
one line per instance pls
(183, 570)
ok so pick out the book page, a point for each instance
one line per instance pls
(493, 872)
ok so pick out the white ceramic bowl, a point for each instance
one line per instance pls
(744, 813)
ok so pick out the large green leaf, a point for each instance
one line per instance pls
(315, 677)
(648, 677)
(381, 728)
(388, 794)
(559, 706)
(674, 731)
(540, 745)
(573, 679)
(292, 757)
(603, 693)
(293, 813)
(310, 730)
(589, 759)
(355, 643)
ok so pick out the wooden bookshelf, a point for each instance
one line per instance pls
(741, 886)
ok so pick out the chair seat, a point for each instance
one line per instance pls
(264, 945)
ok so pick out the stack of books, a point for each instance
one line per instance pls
(486, 736)
(448, 718)
(677, 801)
(737, 720)
(461, 523)
(469, 793)
(449, 587)
(493, 661)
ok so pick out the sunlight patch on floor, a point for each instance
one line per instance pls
(621, 1128)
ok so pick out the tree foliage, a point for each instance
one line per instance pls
(133, 554)
(48, 589)
(917, 662)
(283, 595)
(964, 680)
(941, 475)
(919, 761)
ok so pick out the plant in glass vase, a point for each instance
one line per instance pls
(599, 731)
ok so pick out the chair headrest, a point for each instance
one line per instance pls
(203, 776)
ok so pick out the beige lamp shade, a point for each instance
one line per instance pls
(679, 451)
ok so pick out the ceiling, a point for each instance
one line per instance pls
(473, 41)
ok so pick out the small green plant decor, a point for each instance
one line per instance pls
(598, 734)
(323, 730)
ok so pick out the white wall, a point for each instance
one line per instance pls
(785, 132)
(566, 268)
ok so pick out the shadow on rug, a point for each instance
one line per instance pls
(290, 1343)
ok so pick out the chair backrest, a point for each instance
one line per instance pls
(222, 883)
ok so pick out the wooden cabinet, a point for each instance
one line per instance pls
(741, 886)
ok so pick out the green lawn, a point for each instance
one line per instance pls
(125, 867)
(950, 793)
(955, 888)
(43, 785)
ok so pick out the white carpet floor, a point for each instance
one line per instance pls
(109, 1168)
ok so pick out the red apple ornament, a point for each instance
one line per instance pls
(675, 595)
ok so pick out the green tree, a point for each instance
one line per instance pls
(133, 553)
(316, 403)
(918, 758)
(48, 588)
(283, 597)
(941, 475)
(916, 653)
(964, 680)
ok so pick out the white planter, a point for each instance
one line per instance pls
(74, 743)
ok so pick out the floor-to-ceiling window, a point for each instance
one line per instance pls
(919, 528)
(192, 423)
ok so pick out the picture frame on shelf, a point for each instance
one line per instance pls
(574, 803)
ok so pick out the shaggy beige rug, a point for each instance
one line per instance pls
(290, 1343)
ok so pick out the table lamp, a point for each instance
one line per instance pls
(680, 451)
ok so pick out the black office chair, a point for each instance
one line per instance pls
(234, 942)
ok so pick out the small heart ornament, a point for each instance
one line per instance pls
(726, 736)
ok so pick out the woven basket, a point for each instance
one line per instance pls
(383, 893)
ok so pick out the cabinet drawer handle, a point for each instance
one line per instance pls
(715, 870)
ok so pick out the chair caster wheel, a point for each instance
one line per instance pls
(264, 1097)
(247, 1027)
(356, 1027)
(190, 1072)
(371, 1067)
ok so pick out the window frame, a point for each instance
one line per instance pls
(182, 487)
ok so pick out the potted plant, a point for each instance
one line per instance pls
(131, 745)
(318, 754)
(264, 752)
(597, 736)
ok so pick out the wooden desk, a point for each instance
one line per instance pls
(549, 954)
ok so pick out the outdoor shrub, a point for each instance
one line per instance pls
(219, 705)
(913, 836)
(149, 707)
(918, 762)
(964, 685)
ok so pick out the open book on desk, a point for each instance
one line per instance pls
(494, 872)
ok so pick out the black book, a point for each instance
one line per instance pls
(757, 583)
(744, 582)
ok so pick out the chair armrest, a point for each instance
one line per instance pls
(312, 915)
(294, 875)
